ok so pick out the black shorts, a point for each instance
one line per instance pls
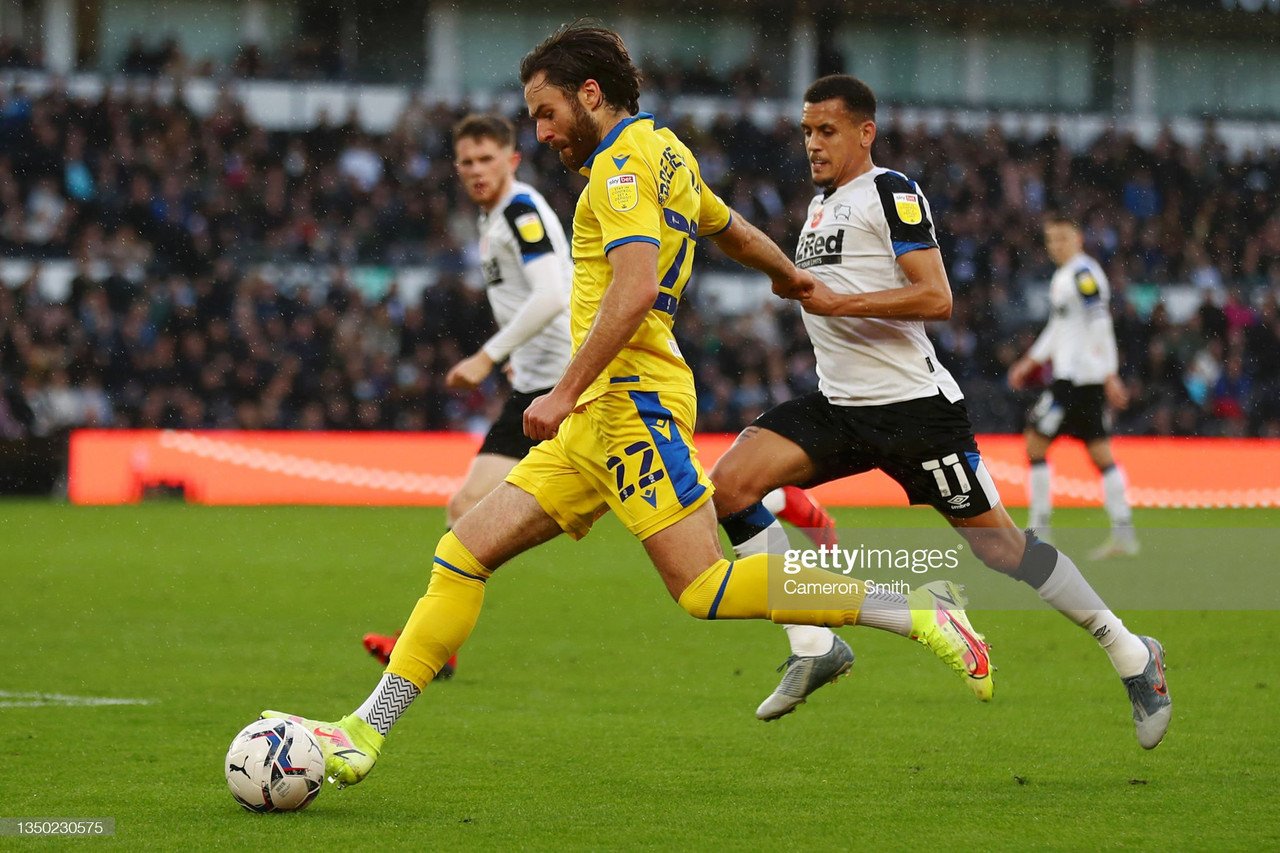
(506, 437)
(1074, 410)
(926, 445)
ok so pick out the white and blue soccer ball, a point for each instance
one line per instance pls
(274, 766)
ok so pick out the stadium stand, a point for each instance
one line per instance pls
(169, 320)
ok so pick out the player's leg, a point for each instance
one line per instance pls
(1122, 542)
(486, 473)
(1139, 661)
(802, 510)
(759, 463)
(543, 497)
(1044, 422)
(1039, 484)
(504, 445)
(809, 440)
(687, 555)
(647, 470)
(757, 587)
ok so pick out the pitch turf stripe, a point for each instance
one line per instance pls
(11, 699)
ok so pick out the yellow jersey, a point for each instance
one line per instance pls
(643, 185)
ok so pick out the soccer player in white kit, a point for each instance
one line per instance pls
(1080, 342)
(884, 401)
(527, 269)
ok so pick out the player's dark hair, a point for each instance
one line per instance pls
(1061, 217)
(857, 96)
(582, 51)
(477, 126)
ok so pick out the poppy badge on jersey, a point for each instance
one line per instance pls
(530, 227)
(908, 208)
(623, 192)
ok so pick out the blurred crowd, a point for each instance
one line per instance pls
(172, 321)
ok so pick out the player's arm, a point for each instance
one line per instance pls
(628, 298)
(1041, 352)
(902, 215)
(548, 296)
(1103, 332)
(927, 295)
(748, 245)
(547, 300)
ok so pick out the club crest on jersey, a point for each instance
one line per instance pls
(623, 192)
(908, 207)
(530, 227)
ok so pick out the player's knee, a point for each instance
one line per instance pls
(736, 489)
(459, 505)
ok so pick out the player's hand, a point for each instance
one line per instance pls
(798, 285)
(821, 301)
(469, 373)
(545, 414)
(1020, 373)
(1117, 395)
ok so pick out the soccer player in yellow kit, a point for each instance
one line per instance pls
(616, 429)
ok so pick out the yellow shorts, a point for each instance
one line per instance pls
(629, 451)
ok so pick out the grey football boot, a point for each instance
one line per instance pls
(1149, 693)
(803, 676)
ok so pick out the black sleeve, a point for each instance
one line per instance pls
(905, 213)
(1087, 286)
(528, 228)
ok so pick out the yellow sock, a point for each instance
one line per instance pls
(755, 588)
(443, 618)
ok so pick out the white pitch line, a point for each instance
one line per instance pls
(10, 699)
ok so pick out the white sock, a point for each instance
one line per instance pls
(391, 698)
(887, 611)
(806, 640)
(1070, 594)
(1041, 499)
(809, 640)
(774, 501)
(1113, 490)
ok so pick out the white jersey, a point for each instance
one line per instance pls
(528, 273)
(1079, 338)
(851, 240)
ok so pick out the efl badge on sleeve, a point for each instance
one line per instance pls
(623, 192)
(530, 227)
(908, 207)
(1087, 283)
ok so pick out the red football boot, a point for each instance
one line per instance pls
(803, 510)
(380, 646)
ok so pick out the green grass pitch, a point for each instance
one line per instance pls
(589, 711)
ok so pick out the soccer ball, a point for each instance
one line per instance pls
(274, 766)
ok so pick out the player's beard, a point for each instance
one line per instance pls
(583, 136)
